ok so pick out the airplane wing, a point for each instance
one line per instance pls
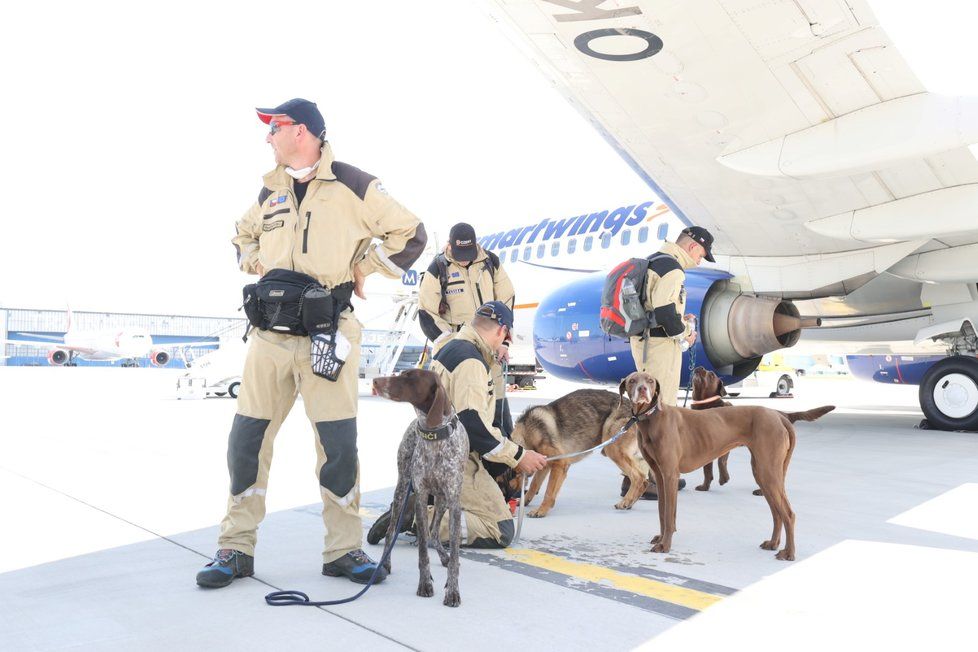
(793, 129)
(49, 345)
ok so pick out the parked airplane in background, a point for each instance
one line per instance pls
(126, 344)
(837, 187)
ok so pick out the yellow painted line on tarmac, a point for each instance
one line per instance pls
(664, 591)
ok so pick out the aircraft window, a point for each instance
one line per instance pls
(514, 255)
(587, 243)
(663, 231)
(605, 240)
(555, 248)
(643, 234)
(571, 246)
(540, 250)
(626, 236)
(526, 253)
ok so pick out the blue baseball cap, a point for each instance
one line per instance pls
(497, 311)
(301, 111)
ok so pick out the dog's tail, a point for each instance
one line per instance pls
(809, 415)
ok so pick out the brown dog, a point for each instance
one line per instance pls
(707, 392)
(674, 440)
(431, 458)
(573, 423)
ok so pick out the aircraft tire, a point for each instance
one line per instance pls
(949, 394)
(233, 389)
(785, 385)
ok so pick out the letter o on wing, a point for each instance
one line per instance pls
(653, 44)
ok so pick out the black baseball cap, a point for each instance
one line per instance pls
(462, 241)
(497, 311)
(702, 237)
(301, 111)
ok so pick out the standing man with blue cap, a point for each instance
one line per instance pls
(463, 365)
(327, 224)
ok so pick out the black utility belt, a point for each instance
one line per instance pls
(285, 301)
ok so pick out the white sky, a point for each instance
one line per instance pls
(132, 145)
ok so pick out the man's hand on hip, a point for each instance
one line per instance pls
(531, 462)
(358, 280)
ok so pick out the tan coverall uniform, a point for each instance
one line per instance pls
(463, 367)
(324, 236)
(661, 354)
(467, 289)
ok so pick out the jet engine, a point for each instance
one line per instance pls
(159, 358)
(735, 330)
(58, 357)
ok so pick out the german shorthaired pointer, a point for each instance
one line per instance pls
(431, 459)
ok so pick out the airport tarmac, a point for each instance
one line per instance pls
(112, 491)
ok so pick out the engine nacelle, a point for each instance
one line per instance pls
(58, 357)
(737, 328)
(159, 358)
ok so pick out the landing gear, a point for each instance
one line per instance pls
(233, 389)
(949, 394)
(783, 388)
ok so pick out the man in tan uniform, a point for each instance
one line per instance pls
(458, 281)
(659, 351)
(463, 367)
(320, 217)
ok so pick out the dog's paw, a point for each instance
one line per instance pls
(624, 504)
(661, 547)
(769, 545)
(452, 599)
(537, 513)
(703, 487)
(387, 565)
(724, 478)
(425, 589)
(784, 555)
(757, 492)
(656, 538)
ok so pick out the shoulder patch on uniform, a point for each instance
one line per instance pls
(264, 194)
(353, 178)
(458, 351)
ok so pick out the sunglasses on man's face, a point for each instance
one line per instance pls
(275, 126)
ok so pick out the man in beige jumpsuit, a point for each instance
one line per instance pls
(463, 367)
(659, 352)
(320, 217)
(458, 281)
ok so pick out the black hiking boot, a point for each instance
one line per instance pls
(356, 566)
(378, 530)
(224, 568)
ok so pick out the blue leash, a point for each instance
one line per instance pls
(289, 598)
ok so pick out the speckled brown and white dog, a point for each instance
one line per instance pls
(431, 458)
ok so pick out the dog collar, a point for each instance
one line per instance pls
(652, 410)
(706, 400)
(444, 431)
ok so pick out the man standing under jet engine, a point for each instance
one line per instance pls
(318, 217)
(659, 351)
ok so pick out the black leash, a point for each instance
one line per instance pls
(289, 598)
(692, 367)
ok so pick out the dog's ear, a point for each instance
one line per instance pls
(720, 388)
(439, 407)
(655, 395)
(621, 391)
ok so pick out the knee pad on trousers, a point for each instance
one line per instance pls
(506, 533)
(339, 440)
(244, 445)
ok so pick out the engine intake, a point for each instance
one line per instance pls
(57, 357)
(738, 328)
(159, 358)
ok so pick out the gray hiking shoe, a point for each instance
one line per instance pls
(226, 565)
(356, 566)
(378, 530)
